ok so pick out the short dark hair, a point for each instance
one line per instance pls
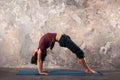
(34, 59)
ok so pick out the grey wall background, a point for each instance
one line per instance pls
(94, 25)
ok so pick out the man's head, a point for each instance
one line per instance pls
(34, 58)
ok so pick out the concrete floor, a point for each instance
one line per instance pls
(10, 74)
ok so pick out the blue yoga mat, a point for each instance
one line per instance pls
(80, 73)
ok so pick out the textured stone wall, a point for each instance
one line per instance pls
(94, 25)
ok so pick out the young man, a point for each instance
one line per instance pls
(48, 41)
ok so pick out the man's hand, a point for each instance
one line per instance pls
(40, 64)
(43, 73)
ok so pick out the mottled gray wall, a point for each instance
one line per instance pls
(94, 25)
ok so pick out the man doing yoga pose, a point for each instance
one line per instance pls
(47, 41)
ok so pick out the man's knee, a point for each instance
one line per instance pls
(80, 54)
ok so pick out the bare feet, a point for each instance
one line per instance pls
(85, 66)
(90, 71)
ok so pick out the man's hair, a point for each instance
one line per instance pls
(34, 59)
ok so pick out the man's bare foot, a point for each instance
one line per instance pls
(90, 71)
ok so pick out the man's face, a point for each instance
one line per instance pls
(35, 51)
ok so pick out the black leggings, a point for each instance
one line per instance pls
(66, 41)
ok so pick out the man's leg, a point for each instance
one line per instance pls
(80, 54)
(85, 66)
(67, 42)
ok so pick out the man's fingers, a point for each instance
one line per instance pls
(44, 73)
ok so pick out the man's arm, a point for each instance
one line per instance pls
(40, 63)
